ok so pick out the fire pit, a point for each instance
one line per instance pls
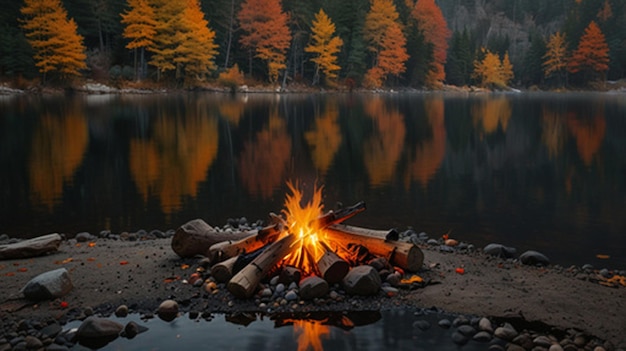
(304, 241)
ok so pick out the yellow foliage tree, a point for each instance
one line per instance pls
(325, 46)
(58, 46)
(556, 55)
(140, 29)
(491, 71)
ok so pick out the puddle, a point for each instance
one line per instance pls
(373, 330)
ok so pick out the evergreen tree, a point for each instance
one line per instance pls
(58, 46)
(532, 72)
(460, 59)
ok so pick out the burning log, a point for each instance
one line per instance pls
(196, 237)
(230, 248)
(402, 254)
(243, 284)
(332, 267)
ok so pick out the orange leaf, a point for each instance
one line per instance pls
(184, 266)
(123, 262)
(412, 279)
(22, 269)
(460, 270)
(171, 279)
(10, 274)
(91, 259)
(92, 244)
(603, 257)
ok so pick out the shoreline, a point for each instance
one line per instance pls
(142, 272)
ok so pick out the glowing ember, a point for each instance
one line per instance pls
(301, 222)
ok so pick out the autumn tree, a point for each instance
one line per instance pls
(325, 45)
(266, 33)
(555, 63)
(140, 29)
(591, 57)
(433, 26)
(58, 46)
(183, 41)
(386, 42)
(493, 71)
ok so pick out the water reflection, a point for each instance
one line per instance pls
(538, 171)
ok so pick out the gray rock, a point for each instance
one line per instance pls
(444, 323)
(555, 347)
(466, 330)
(121, 311)
(48, 285)
(499, 250)
(485, 325)
(280, 288)
(291, 295)
(542, 341)
(31, 247)
(362, 280)
(95, 328)
(433, 242)
(506, 332)
(459, 338)
(168, 310)
(51, 331)
(84, 237)
(534, 258)
(313, 287)
(32, 343)
(482, 336)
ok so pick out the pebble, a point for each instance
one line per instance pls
(534, 258)
(445, 323)
(280, 287)
(484, 324)
(121, 311)
(291, 295)
(466, 330)
(460, 320)
(555, 347)
(542, 341)
(421, 324)
(482, 336)
(506, 332)
(459, 338)
(168, 310)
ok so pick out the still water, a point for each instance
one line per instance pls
(534, 171)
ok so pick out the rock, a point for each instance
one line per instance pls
(95, 327)
(444, 323)
(32, 343)
(289, 275)
(459, 338)
(499, 250)
(394, 279)
(482, 336)
(313, 287)
(84, 237)
(485, 325)
(31, 247)
(132, 329)
(51, 331)
(555, 347)
(121, 311)
(48, 285)
(513, 347)
(506, 332)
(362, 280)
(466, 330)
(168, 310)
(524, 340)
(379, 263)
(534, 258)
(390, 291)
(291, 295)
(542, 341)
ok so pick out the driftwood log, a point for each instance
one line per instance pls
(32, 247)
(196, 237)
(244, 283)
(402, 254)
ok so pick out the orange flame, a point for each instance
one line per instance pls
(302, 223)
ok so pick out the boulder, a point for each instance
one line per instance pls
(95, 332)
(49, 285)
(31, 248)
(362, 280)
(499, 250)
(534, 258)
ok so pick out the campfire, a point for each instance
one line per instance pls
(302, 241)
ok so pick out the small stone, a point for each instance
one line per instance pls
(599, 348)
(393, 279)
(121, 311)
(131, 330)
(267, 292)
(524, 340)
(333, 295)
(313, 287)
(289, 275)
(482, 336)
(484, 324)
(95, 328)
(466, 330)
(580, 340)
(32, 343)
(542, 341)
(534, 258)
(280, 288)
(421, 324)
(379, 263)
(506, 332)
(605, 273)
(556, 347)
(84, 237)
(291, 295)
(88, 311)
(390, 291)
(460, 320)
(499, 250)
(444, 323)
(168, 310)
(514, 347)
(432, 242)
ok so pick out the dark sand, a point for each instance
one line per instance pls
(141, 274)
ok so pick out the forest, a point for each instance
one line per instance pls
(325, 43)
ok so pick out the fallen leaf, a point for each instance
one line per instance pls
(184, 266)
(91, 259)
(603, 257)
(123, 262)
(10, 274)
(171, 279)
(460, 270)
(92, 244)
(22, 269)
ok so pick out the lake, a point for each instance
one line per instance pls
(541, 171)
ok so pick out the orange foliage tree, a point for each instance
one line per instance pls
(432, 24)
(386, 42)
(140, 29)
(592, 54)
(325, 46)
(266, 33)
(58, 46)
(491, 71)
(556, 55)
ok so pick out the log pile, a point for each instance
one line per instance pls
(241, 259)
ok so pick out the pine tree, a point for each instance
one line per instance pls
(266, 33)
(325, 45)
(140, 29)
(432, 24)
(57, 44)
(592, 54)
